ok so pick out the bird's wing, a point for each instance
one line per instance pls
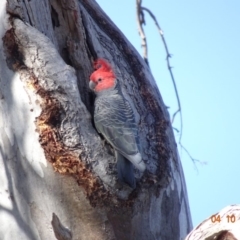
(114, 119)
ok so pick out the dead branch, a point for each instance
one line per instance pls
(179, 110)
(141, 21)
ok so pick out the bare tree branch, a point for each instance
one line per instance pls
(179, 110)
(141, 21)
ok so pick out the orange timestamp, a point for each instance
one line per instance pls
(217, 218)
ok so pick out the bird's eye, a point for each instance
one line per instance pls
(99, 80)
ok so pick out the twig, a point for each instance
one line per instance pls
(194, 160)
(141, 21)
(179, 110)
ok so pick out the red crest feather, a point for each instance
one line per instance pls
(103, 65)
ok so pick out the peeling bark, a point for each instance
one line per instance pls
(47, 115)
(224, 225)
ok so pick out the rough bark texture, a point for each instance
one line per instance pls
(46, 125)
(224, 225)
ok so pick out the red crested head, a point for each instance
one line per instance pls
(103, 77)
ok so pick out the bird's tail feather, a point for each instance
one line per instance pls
(125, 170)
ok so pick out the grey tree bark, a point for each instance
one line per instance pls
(57, 175)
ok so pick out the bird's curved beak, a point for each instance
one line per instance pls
(92, 85)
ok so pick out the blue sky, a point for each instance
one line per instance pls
(204, 38)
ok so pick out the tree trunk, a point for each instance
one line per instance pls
(58, 176)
